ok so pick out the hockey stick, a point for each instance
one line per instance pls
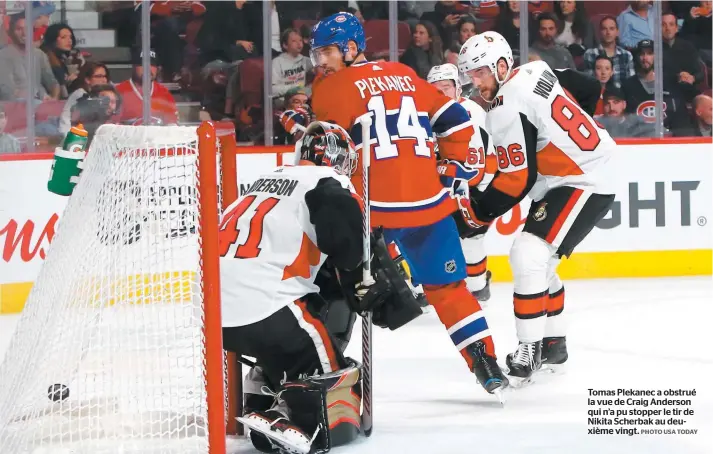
(367, 279)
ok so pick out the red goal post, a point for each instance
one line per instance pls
(119, 342)
(220, 137)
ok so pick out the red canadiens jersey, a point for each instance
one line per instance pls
(163, 106)
(406, 112)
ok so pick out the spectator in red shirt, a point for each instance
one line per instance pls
(163, 106)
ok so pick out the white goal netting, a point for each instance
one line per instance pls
(108, 355)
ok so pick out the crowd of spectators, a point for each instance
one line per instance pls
(213, 52)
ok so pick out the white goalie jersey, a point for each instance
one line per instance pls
(269, 243)
(543, 140)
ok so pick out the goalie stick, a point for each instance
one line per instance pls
(367, 279)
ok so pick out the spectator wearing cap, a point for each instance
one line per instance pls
(290, 68)
(295, 98)
(621, 58)
(617, 121)
(163, 106)
(14, 79)
(703, 108)
(636, 23)
(555, 55)
(639, 91)
(681, 63)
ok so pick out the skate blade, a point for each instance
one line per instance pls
(277, 439)
(557, 369)
(520, 382)
(501, 395)
(544, 371)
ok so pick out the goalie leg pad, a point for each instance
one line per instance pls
(339, 321)
(343, 399)
(322, 411)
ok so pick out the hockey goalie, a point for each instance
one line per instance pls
(276, 241)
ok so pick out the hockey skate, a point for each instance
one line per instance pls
(522, 364)
(487, 371)
(483, 295)
(554, 354)
(272, 432)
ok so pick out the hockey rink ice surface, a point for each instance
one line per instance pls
(639, 334)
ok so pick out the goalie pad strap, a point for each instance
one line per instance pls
(330, 402)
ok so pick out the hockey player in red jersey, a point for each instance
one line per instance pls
(550, 149)
(446, 79)
(407, 196)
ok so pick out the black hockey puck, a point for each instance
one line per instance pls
(57, 392)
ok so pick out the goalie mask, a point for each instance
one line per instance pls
(328, 144)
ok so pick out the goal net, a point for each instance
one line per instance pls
(117, 346)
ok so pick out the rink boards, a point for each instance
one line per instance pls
(658, 225)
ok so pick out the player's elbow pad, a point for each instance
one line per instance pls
(337, 219)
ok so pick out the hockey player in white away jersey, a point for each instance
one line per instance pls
(549, 148)
(446, 79)
(273, 241)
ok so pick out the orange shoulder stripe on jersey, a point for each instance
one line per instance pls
(308, 256)
(512, 183)
(552, 161)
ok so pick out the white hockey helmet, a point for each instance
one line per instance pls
(328, 144)
(447, 71)
(485, 49)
